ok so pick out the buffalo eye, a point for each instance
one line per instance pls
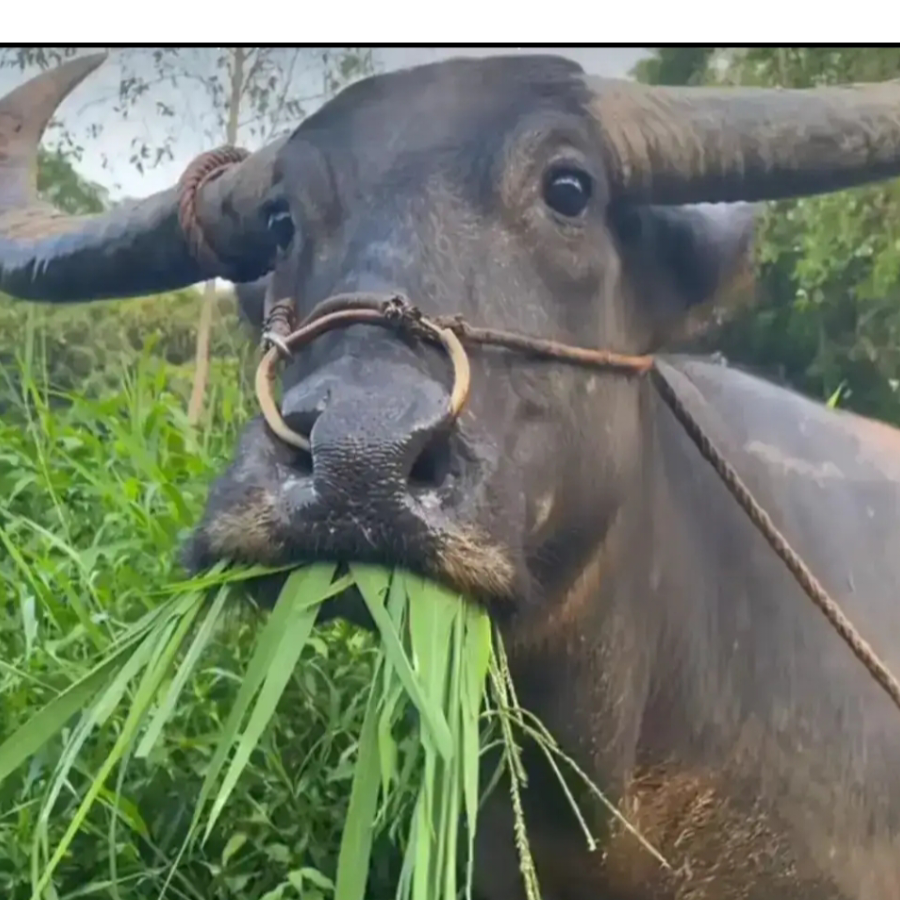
(567, 191)
(280, 224)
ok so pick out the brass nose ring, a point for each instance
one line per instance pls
(267, 369)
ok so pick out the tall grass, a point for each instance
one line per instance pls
(96, 493)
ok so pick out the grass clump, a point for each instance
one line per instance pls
(444, 680)
(436, 653)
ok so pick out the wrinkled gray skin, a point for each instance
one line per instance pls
(649, 626)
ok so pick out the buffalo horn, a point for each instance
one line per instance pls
(671, 145)
(137, 247)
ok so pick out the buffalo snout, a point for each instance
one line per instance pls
(378, 438)
(389, 477)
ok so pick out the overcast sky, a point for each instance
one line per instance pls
(91, 102)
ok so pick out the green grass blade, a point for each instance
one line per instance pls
(367, 580)
(424, 823)
(449, 822)
(253, 678)
(102, 708)
(49, 721)
(431, 636)
(387, 747)
(391, 692)
(168, 646)
(477, 656)
(250, 684)
(303, 605)
(75, 600)
(201, 639)
(356, 839)
(404, 885)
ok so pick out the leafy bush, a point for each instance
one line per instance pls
(828, 311)
(85, 347)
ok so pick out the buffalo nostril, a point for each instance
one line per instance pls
(432, 465)
(301, 422)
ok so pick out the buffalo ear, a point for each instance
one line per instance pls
(251, 297)
(689, 266)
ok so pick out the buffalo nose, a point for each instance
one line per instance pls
(375, 442)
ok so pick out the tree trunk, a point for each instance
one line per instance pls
(204, 326)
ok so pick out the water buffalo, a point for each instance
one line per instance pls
(649, 625)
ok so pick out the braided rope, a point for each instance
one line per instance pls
(200, 171)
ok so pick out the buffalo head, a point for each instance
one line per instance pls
(516, 191)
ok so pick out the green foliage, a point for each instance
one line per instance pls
(829, 309)
(85, 346)
(674, 65)
(60, 184)
(810, 66)
(828, 275)
(97, 495)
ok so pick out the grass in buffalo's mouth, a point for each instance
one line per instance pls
(438, 654)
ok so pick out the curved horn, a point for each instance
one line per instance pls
(138, 247)
(688, 145)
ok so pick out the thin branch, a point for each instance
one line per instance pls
(287, 81)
